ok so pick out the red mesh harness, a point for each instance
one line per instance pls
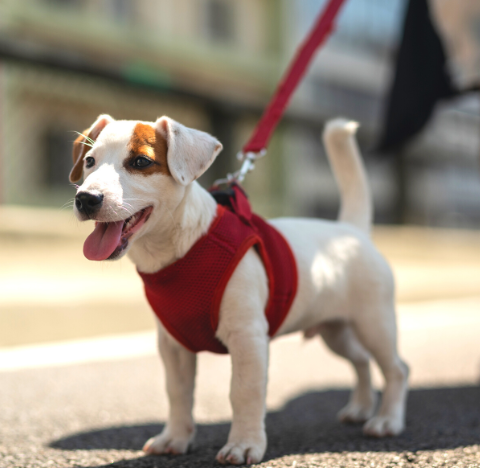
(186, 295)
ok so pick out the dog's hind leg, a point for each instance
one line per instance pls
(341, 339)
(377, 331)
(180, 368)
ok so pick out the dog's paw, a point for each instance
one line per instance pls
(167, 443)
(354, 413)
(358, 411)
(383, 426)
(243, 452)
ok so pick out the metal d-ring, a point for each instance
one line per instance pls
(248, 165)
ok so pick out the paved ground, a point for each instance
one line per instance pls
(92, 400)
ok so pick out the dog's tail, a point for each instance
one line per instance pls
(344, 156)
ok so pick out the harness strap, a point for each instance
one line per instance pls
(273, 113)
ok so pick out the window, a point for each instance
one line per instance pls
(65, 3)
(121, 11)
(58, 159)
(220, 20)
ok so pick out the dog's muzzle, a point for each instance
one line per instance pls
(88, 203)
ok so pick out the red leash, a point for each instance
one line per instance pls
(256, 146)
(273, 113)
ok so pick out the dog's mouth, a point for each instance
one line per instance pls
(109, 240)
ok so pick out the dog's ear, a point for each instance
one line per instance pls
(189, 152)
(80, 148)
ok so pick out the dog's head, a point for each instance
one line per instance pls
(135, 173)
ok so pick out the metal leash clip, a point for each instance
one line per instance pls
(248, 165)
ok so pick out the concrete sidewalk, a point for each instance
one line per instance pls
(49, 291)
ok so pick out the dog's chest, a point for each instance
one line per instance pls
(186, 295)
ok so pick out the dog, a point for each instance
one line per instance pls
(140, 189)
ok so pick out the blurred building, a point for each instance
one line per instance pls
(213, 64)
(64, 62)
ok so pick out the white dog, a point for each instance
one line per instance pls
(139, 187)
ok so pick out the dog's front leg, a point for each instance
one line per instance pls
(180, 367)
(247, 440)
(244, 330)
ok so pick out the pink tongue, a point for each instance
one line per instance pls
(102, 242)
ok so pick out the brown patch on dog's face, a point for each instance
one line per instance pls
(79, 150)
(151, 145)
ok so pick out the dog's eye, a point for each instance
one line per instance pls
(89, 162)
(141, 161)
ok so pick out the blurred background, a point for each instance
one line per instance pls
(212, 65)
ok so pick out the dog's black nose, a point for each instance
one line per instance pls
(88, 203)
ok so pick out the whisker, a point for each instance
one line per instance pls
(92, 142)
(116, 215)
(127, 210)
(69, 203)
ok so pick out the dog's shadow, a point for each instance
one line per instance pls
(438, 418)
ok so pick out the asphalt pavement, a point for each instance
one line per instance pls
(97, 414)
